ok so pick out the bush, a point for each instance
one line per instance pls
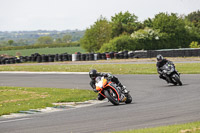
(121, 43)
(194, 45)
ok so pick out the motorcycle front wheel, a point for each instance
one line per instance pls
(129, 98)
(112, 96)
(177, 79)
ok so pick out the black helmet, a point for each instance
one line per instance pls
(93, 74)
(159, 58)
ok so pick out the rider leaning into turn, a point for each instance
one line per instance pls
(93, 74)
(160, 63)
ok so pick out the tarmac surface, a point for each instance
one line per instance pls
(155, 103)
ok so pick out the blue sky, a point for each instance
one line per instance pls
(18, 15)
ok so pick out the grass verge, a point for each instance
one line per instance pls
(193, 127)
(184, 68)
(14, 99)
(28, 52)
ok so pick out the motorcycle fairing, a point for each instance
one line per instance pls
(111, 85)
(104, 84)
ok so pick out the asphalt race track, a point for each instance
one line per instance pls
(155, 103)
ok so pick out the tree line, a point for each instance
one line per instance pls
(125, 32)
(23, 38)
(44, 42)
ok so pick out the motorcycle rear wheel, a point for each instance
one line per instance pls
(113, 100)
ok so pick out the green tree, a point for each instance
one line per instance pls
(21, 42)
(124, 23)
(3, 43)
(148, 23)
(194, 17)
(10, 42)
(96, 35)
(67, 38)
(174, 26)
(170, 24)
(45, 40)
(147, 38)
(193, 32)
(58, 40)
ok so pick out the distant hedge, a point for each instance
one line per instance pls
(34, 46)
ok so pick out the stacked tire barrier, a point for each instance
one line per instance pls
(12, 60)
(188, 52)
(100, 56)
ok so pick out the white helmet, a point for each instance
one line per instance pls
(159, 58)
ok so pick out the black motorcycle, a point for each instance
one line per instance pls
(170, 73)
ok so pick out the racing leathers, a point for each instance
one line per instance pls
(161, 64)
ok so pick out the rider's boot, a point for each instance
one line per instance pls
(123, 88)
(178, 72)
(164, 78)
(122, 98)
(168, 80)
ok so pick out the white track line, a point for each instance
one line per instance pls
(22, 119)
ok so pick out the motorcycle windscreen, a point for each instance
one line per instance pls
(99, 83)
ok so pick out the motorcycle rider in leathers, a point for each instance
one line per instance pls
(93, 74)
(160, 63)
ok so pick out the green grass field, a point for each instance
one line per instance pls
(193, 127)
(14, 99)
(28, 52)
(184, 68)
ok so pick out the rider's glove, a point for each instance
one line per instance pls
(95, 90)
(160, 72)
(110, 75)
